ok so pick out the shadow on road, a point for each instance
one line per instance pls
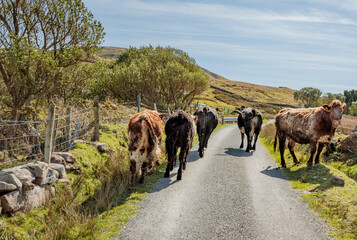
(318, 175)
(274, 172)
(237, 152)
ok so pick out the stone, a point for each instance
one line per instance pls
(36, 197)
(338, 181)
(38, 169)
(55, 158)
(51, 177)
(68, 157)
(65, 181)
(10, 178)
(7, 187)
(24, 175)
(350, 143)
(102, 147)
(12, 202)
(73, 168)
(59, 168)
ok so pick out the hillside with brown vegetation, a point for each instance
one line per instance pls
(227, 94)
(269, 100)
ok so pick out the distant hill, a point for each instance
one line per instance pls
(111, 52)
(227, 94)
(268, 100)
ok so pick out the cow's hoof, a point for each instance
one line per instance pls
(201, 154)
(167, 175)
(247, 150)
(179, 177)
(131, 189)
(141, 180)
(309, 165)
(283, 166)
(296, 163)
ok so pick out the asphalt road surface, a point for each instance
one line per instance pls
(227, 194)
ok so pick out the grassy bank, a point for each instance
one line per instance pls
(96, 205)
(337, 205)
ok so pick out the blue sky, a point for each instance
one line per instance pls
(276, 43)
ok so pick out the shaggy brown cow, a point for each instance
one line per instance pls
(307, 125)
(145, 130)
(180, 129)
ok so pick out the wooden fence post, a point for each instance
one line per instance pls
(138, 103)
(68, 129)
(168, 110)
(54, 134)
(96, 119)
(222, 120)
(155, 108)
(49, 133)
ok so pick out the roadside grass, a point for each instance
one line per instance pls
(97, 204)
(337, 205)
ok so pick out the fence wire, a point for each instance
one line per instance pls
(23, 141)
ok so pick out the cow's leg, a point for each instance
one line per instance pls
(201, 139)
(182, 160)
(319, 150)
(174, 158)
(242, 137)
(208, 134)
(312, 152)
(291, 146)
(282, 149)
(132, 171)
(184, 164)
(144, 168)
(249, 140)
(255, 141)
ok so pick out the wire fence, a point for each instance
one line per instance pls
(23, 141)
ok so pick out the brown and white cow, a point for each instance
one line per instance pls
(307, 125)
(145, 130)
(180, 129)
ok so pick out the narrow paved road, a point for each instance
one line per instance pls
(228, 194)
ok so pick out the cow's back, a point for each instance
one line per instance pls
(300, 124)
(179, 127)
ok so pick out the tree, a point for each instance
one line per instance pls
(353, 109)
(39, 42)
(329, 97)
(165, 76)
(308, 96)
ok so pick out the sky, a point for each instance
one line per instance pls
(279, 43)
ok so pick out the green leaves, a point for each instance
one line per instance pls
(165, 76)
(41, 41)
(308, 96)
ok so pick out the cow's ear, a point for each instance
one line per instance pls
(343, 105)
(162, 115)
(254, 113)
(195, 118)
(217, 109)
(326, 107)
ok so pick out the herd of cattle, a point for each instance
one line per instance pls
(305, 125)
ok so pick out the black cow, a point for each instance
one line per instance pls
(206, 123)
(250, 123)
(180, 129)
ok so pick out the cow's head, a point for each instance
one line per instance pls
(335, 109)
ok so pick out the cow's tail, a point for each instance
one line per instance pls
(154, 148)
(275, 140)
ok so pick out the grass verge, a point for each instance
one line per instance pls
(337, 205)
